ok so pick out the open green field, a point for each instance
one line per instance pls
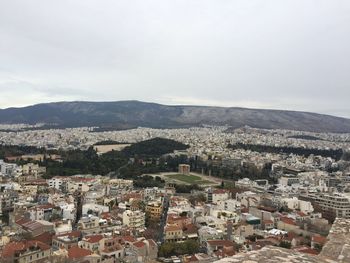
(189, 179)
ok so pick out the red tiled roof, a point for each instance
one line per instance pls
(22, 221)
(46, 206)
(306, 250)
(45, 237)
(128, 239)
(139, 244)
(94, 238)
(11, 248)
(105, 215)
(319, 239)
(32, 225)
(301, 214)
(290, 236)
(288, 220)
(172, 228)
(244, 210)
(77, 252)
(191, 229)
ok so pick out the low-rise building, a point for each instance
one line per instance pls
(93, 243)
(26, 251)
(89, 224)
(173, 233)
(296, 204)
(66, 240)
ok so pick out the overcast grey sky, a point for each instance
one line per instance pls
(290, 54)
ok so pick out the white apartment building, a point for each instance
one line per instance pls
(331, 204)
(68, 211)
(248, 198)
(296, 204)
(134, 219)
(9, 169)
(217, 195)
(55, 182)
(288, 180)
(230, 204)
(228, 216)
(94, 209)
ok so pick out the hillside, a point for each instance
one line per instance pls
(131, 114)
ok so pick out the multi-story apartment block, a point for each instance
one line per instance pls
(9, 169)
(31, 169)
(330, 205)
(154, 210)
(26, 251)
(134, 219)
(89, 225)
(217, 195)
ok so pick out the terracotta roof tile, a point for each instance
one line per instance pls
(139, 244)
(319, 239)
(94, 238)
(77, 252)
(288, 221)
(13, 247)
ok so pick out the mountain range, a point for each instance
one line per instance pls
(131, 114)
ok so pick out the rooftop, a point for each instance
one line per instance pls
(77, 252)
(273, 254)
(14, 247)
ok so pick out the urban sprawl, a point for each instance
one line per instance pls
(230, 195)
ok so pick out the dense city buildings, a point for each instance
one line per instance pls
(229, 196)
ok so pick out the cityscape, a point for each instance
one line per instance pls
(190, 194)
(187, 131)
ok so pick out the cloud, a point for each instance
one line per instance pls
(292, 54)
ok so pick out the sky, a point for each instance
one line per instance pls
(290, 54)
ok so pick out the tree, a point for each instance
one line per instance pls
(285, 244)
(166, 250)
(183, 214)
(318, 247)
(170, 249)
(199, 198)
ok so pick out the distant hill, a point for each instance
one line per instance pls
(131, 114)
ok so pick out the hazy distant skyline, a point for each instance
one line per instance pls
(292, 54)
